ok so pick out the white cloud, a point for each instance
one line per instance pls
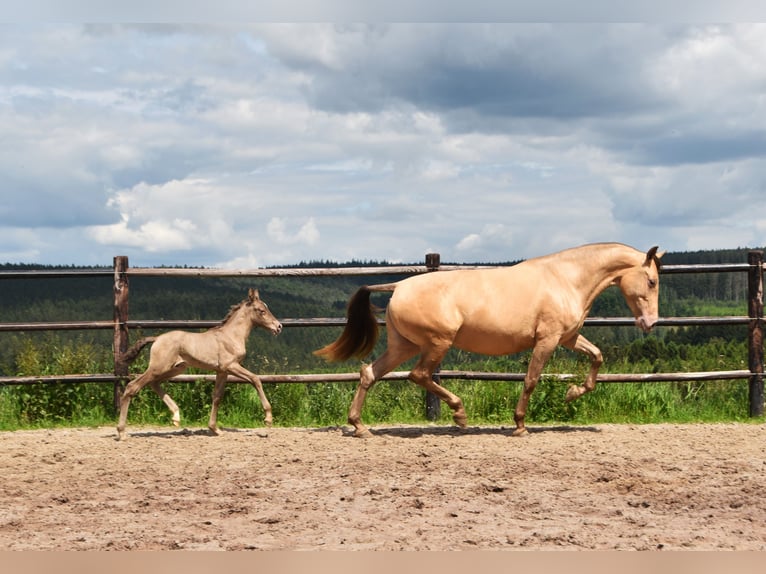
(236, 144)
(307, 233)
(469, 243)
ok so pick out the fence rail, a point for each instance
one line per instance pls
(121, 324)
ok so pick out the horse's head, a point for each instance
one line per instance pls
(260, 314)
(640, 286)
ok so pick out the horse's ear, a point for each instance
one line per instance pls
(252, 294)
(653, 255)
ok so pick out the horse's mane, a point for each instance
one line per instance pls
(577, 252)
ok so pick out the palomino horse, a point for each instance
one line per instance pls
(219, 349)
(539, 304)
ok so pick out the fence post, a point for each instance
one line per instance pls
(755, 331)
(433, 403)
(120, 325)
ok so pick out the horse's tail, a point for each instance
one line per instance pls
(131, 354)
(361, 331)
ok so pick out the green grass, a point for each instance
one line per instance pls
(326, 404)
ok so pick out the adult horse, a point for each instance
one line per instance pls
(539, 304)
(219, 349)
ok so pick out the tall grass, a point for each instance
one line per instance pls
(326, 404)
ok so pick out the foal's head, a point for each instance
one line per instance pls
(640, 286)
(260, 314)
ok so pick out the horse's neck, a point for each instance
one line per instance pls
(597, 272)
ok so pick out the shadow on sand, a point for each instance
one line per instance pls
(420, 431)
(399, 431)
(185, 432)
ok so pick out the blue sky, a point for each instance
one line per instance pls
(251, 144)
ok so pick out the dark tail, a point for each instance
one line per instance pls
(360, 333)
(131, 354)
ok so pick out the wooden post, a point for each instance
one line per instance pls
(433, 403)
(120, 325)
(755, 331)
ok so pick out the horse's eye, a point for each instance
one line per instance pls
(652, 283)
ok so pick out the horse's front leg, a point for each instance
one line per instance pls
(540, 355)
(241, 372)
(582, 345)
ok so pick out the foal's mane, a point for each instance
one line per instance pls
(233, 309)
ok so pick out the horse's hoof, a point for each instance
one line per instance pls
(268, 423)
(363, 433)
(520, 432)
(215, 432)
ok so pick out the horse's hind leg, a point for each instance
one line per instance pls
(399, 350)
(241, 372)
(422, 375)
(171, 404)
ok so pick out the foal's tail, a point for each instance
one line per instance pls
(361, 331)
(131, 354)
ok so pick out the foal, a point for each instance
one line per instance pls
(219, 349)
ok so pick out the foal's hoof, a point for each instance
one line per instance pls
(215, 431)
(573, 392)
(520, 432)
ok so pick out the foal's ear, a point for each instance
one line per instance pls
(252, 294)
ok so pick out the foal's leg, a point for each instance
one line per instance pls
(540, 355)
(399, 350)
(582, 345)
(131, 389)
(218, 391)
(171, 404)
(239, 371)
(148, 377)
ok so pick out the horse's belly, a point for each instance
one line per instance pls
(487, 342)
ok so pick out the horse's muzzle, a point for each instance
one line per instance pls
(277, 329)
(646, 323)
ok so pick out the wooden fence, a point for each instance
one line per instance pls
(121, 324)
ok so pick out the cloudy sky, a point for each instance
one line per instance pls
(244, 145)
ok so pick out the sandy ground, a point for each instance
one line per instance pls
(654, 487)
